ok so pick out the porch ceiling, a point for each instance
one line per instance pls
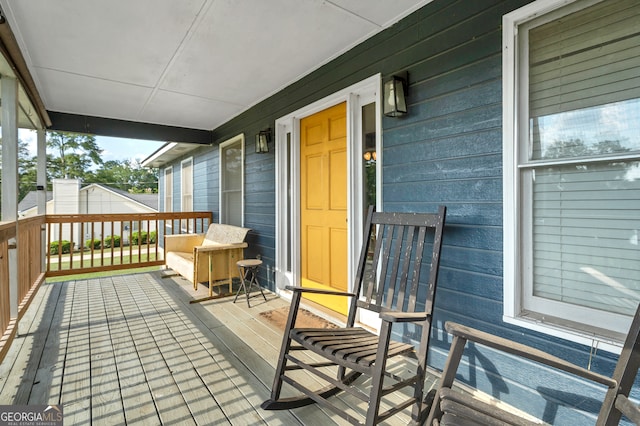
(193, 63)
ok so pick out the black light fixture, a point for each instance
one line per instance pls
(395, 90)
(262, 141)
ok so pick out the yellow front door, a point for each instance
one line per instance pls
(323, 209)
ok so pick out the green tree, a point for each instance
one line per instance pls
(143, 179)
(578, 148)
(27, 175)
(72, 154)
(127, 175)
(113, 173)
(566, 149)
(26, 169)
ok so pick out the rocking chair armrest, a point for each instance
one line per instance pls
(318, 291)
(404, 316)
(518, 349)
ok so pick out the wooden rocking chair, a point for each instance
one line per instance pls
(453, 407)
(388, 282)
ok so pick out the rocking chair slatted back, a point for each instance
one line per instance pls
(396, 263)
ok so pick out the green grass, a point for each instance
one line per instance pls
(107, 261)
(134, 261)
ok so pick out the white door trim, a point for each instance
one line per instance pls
(287, 146)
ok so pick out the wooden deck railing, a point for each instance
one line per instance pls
(90, 243)
(7, 325)
(95, 243)
(24, 239)
(30, 273)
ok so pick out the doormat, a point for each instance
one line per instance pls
(305, 319)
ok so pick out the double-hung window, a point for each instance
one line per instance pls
(186, 185)
(186, 191)
(572, 167)
(232, 181)
(168, 189)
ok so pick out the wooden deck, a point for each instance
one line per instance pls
(130, 349)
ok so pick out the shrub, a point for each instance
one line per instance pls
(112, 241)
(95, 244)
(152, 237)
(54, 247)
(138, 238)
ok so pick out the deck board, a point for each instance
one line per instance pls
(76, 379)
(106, 400)
(19, 386)
(48, 380)
(131, 349)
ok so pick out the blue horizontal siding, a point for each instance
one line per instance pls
(446, 150)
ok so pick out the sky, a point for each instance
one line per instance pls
(113, 148)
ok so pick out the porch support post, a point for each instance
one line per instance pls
(41, 182)
(9, 96)
(41, 172)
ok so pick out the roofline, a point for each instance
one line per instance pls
(181, 149)
(107, 188)
(158, 152)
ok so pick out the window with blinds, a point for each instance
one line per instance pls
(584, 84)
(579, 163)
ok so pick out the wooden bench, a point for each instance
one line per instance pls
(209, 257)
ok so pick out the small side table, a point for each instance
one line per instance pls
(248, 269)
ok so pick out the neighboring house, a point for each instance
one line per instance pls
(28, 206)
(525, 127)
(68, 197)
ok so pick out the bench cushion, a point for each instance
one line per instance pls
(181, 262)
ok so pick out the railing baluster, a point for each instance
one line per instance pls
(111, 239)
(140, 241)
(91, 244)
(59, 246)
(48, 247)
(71, 245)
(101, 243)
(130, 240)
(122, 226)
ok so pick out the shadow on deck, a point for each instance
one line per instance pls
(130, 349)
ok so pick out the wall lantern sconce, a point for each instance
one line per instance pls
(395, 90)
(262, 141)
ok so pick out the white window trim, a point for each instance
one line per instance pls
(164, 198)
(233, 140)
(182, 206)
(356, 96)
(512, 250)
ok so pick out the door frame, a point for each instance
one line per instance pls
(287, 152)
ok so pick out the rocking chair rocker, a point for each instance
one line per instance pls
(388, 283)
